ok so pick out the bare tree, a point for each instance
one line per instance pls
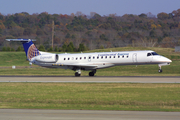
(148, 42)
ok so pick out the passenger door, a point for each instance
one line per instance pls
(134, 57)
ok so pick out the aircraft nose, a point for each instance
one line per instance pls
(164, 59)
(168, 60)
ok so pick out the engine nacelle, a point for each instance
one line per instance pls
(51, 58)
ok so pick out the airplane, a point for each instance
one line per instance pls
(90, 61)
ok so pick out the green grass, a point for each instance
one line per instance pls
(18, 59)
(13, 58)
(91, 96)
(132, 70)
(140, 70)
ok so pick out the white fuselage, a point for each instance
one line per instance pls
(90, 61)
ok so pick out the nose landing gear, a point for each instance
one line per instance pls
(160, 70)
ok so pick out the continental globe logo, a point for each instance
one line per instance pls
(32, 52)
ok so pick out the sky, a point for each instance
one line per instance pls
(102, 7)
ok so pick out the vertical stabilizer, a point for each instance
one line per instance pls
(29, 47)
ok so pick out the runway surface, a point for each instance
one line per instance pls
(92, 79)
(28, 114)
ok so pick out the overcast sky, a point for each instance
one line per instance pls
(102, 7)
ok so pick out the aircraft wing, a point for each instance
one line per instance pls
(85, 66)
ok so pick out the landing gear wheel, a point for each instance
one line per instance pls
(77, 74)
(160, 70)
(91, 73)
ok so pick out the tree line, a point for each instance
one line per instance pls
(76, 31)
(65, 48)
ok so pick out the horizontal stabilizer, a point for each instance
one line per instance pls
(29, 47)
(21, 40)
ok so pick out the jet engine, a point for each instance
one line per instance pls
(49, 58)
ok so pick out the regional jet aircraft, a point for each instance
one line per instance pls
(90, 61)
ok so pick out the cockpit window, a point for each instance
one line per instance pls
(149, 54)
(154, 53)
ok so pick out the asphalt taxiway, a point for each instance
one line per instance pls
(137, 79)
(30, 114)
(34, 114)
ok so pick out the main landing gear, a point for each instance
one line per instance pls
(92, 73)
(78, 73)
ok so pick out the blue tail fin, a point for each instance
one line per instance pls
(29, 47)
(30, 50)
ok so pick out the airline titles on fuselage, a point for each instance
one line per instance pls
(113, 54)
(45, 57)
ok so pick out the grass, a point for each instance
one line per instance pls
(132, 70)
(18, 59)
(91, 96)
(141, 70)
(13, 58)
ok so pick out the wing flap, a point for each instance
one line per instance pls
(77, 65)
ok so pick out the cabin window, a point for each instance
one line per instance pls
(114, 56)
(76, 58)
(84, 57)
(123, 56)
(101, 57)
(106, 57)
(64, 58)
(80, 58)
(93, 57)
(89, 57)
(127, 56)
(149, 54)
(97, 57)
(118, 56)
(68, 58)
